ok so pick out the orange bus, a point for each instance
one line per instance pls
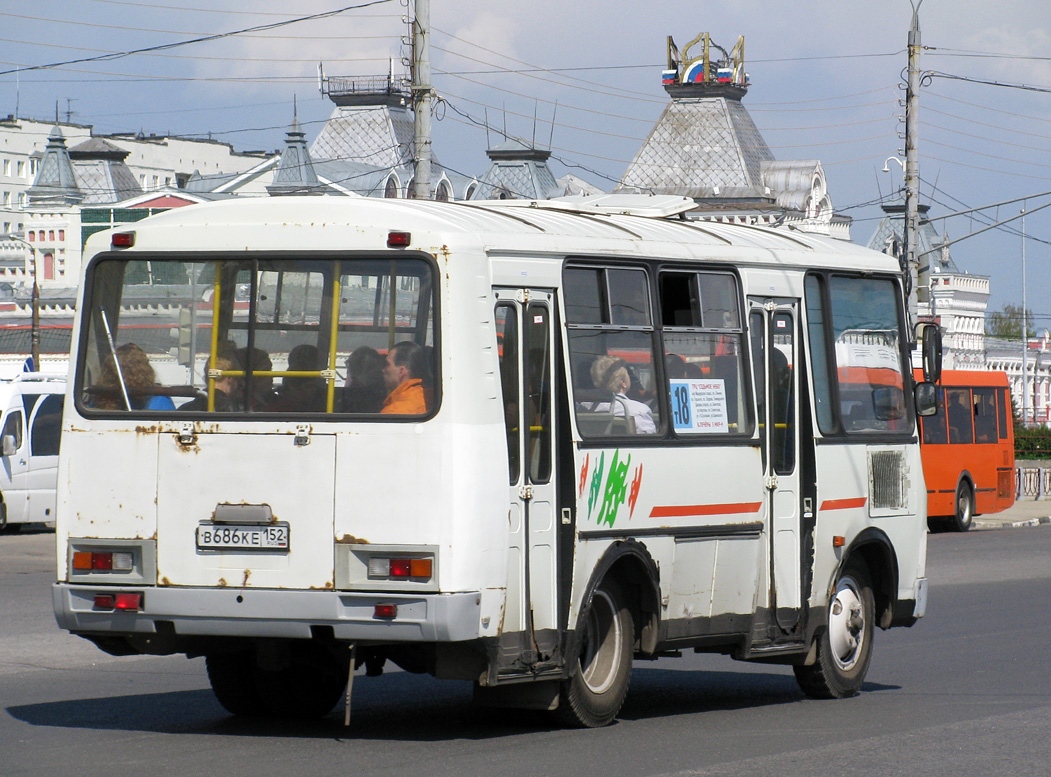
(968, 449)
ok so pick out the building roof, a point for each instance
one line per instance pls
(378, 135)
(891, 227)
(55, 181)
(701, 147)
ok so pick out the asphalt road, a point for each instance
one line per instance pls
(965, 692)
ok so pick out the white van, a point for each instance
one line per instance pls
(31, 426)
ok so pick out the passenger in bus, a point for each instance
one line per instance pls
(138, 378)
(675, 366)
(227, 390)
(263, 394)
(364, 391)
(611, 374)
(302, 394)
(403, 375)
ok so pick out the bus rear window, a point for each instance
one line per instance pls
(246, 336)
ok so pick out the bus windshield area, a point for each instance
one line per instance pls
(284, 335)
(859, 366)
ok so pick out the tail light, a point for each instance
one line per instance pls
(103, 561)
(383, 568)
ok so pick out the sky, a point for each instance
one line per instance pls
(583, 78)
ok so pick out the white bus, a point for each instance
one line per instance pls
(516, 444)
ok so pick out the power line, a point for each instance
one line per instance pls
(217, 36)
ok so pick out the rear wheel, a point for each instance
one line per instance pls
(308, 687)
(232, 676)
(964, 510)
(844, 648)
(595, 692)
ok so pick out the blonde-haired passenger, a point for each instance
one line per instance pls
(611, 374)
(137, 375)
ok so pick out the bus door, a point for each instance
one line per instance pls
(525, 338)
(775, 351)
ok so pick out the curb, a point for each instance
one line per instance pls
(979, 524)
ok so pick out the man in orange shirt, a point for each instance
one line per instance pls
(402, 376)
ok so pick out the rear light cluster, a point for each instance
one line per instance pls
(381, 568)
(131, 602)
(103, 561)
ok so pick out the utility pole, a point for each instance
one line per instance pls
(912, 172)
(421, 98)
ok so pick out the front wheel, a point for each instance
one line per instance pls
(844, 648)
(598, 685)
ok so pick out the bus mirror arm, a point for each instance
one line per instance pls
(925, 396)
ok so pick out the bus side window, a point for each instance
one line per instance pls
(935, 430)
(1003, 401)
(611, 351)
(984, 415)
(960, 416)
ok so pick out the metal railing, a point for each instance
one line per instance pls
(1033, 482)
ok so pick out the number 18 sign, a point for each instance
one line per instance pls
(698, 406)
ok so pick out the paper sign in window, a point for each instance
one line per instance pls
(699, 406)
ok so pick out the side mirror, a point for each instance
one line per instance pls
(930, 336)
(10, 449)
(888, 403)
(925, 395)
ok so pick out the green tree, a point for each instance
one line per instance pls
(1007, 323)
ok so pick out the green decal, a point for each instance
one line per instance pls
(616, 490)
(596, 483)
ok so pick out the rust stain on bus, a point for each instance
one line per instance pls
(350, 539)
(147, 429)
(244, 580)
(222, 582)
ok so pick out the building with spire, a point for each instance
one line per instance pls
(706, 146)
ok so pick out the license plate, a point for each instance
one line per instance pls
(271, 536)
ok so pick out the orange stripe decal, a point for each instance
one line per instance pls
(844, 504)
(685, 511)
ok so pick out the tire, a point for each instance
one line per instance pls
(309, 687)
(963, 507)
(232, 677)
(601, 671)
(844, 648)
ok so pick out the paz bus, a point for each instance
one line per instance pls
(619, 433)
(968, 449)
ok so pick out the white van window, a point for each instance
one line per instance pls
(13, 427)
(47, 426)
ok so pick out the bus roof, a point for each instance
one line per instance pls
(304, 223)
(968, 377)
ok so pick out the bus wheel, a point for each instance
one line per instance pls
(598, 685)
(964, 515)
(308, 687)
(232, 676)
(845, 647)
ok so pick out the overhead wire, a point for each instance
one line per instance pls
(202, 39)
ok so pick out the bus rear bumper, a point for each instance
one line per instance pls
(270, 613)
